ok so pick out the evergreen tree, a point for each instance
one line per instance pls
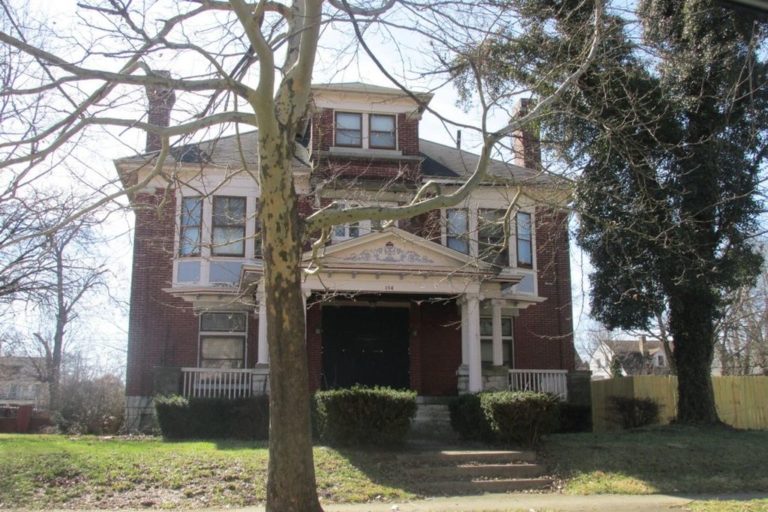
(669, 131)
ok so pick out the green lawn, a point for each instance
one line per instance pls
(661, 460)
(88, 472)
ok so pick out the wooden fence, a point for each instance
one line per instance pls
(742, 402)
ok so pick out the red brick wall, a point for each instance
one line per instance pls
(162, 329)
(439, 348)
(408, 135)
(544, 332)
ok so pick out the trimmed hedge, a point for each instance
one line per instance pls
(506, 417)
(634, 412)
(213, 418)
(363, 416)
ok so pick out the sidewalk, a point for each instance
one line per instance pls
(537, 503)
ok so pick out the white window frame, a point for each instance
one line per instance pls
(201, 334)
(510, 339)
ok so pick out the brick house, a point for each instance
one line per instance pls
(441, 304)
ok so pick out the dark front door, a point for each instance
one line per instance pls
(367, 346)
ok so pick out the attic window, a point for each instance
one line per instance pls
(382, 131)
(349, 129)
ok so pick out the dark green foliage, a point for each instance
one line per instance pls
(574, 418)
(668, 129)
(506, 417)
(634, 412)
(468, 419)
(213, 418)
(520, 417)
(364, 416)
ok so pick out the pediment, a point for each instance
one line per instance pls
(394, 248)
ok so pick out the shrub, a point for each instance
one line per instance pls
(574, 418)
(364, 416)
(91, 405)
(468, 419)
(520, 417)
(213, 418)
(508, 417)
(634, 412)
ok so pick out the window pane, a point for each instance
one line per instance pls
(189, 242)
(354, 230)
(349, 129)
(224, 322)
(491, 237)
(456, 230)
(380, 123)
(524, 253)
(506, 326)
(486, 327)
(228, 211)
(228, 241)
(524, 225)
(191, 211)
(524, 236)
(382, 140)
(222, 352)
(340, 231)
(486, 351)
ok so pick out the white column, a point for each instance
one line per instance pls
(263, 347)
(464, 333)
(473, 335)
(498, 351)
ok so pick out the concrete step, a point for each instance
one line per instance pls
(479, 486)
(468, 457)
(473, 471)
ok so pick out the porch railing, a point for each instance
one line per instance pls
(543, 381)
(224, 383)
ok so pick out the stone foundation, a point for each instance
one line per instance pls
(140, 414)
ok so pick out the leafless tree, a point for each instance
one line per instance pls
(249, 64)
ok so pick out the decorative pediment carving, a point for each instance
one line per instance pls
(388, 252)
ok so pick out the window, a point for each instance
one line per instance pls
(486, 340)
(352, 230)
(349, 129)
(491, 238)
(382, 131)
(191, 225)
(457, 230)
(524, 240)
(257, 252)
(222, 340)
(228, 236)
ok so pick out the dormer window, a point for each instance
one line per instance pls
(349, 129)
(382, 131)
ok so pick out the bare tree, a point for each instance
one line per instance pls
(239, 63)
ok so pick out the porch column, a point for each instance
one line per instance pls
(263, 348)
(498, 351)
(464, 333)
(473, 342)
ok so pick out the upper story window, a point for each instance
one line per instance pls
(491, 237)
(382, 131)
(524, 239)
(222, 340)
(457, 230)
(191, 226)
(228, 233)
(349, 129)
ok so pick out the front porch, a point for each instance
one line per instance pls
(243, 383)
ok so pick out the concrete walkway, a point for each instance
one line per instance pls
(535, 503)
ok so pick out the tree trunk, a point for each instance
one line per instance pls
(692, 309)
(291, 485)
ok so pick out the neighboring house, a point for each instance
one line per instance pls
(20, 382)
(634, 357)
(443, 303)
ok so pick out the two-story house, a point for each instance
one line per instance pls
(468, 298)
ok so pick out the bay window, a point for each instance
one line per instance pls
(457, 230)
(191, 223)
(491, 237)
(228, 226)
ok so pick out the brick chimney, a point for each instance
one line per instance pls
(526, 145)
(161, 102)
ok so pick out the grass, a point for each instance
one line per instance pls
(88, 472)
(661, 460)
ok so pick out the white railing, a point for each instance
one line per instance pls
(224, 383)
(544, 381)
